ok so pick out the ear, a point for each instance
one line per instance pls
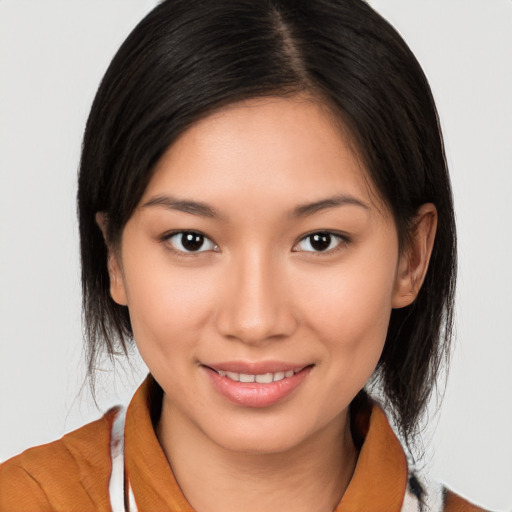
(413, 264)
(117, 287)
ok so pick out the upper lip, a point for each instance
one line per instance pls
(256, 367)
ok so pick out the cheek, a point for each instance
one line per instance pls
(350, 309)
(168, 306)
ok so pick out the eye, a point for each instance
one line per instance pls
(322, 241)
(190, 242)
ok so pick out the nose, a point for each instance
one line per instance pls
(255, 303)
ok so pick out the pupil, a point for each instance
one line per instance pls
(192, 241)
(320, 241)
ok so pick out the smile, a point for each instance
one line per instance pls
(260, 378)
(257, 385)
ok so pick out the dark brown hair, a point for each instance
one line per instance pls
(188, 58)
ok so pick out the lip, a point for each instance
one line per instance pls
(254, 394)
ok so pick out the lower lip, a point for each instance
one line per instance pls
(253, 394)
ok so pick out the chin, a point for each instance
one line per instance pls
(260, 443)
(269, 435)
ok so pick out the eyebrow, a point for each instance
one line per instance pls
(325, 204)
(183, 205)
(204, 210)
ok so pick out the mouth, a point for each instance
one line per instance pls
(256, 385)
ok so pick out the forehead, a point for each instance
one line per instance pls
(279, 149)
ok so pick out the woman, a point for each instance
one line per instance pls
(265, 210)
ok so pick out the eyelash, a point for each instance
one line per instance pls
(343, 241)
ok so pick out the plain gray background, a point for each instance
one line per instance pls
(52, 57)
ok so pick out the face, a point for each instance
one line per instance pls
(260, 269)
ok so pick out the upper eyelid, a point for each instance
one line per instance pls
(343, 236)
(170, 234)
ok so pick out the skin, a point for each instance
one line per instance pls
(259, 292)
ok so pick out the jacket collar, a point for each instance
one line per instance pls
(378, 483)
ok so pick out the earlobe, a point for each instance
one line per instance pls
(414, 261)
(117, 287)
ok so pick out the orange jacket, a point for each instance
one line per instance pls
(72, 474)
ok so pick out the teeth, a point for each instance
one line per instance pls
(262, 378)
(265, 378)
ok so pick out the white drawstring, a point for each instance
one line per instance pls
(116, 484)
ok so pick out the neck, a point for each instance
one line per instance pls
(312, 476)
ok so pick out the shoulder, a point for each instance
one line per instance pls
(383, 473)
(423, 495)
(454, 503)
(69, 474)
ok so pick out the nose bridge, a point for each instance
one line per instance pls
(255, 307)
